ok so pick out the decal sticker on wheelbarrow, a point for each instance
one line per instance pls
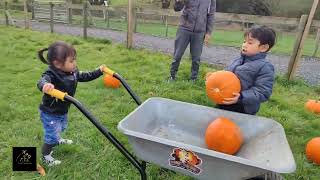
(185, 159)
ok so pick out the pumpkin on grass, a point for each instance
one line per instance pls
(110, 81)
(313, 150)
(41, 170)
(222, 84)
(313, 106)
(224, 136)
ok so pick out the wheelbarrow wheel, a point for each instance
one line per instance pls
(268, 176)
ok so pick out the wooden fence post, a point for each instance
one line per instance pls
(135, 21)
(106, 16)
(317, 43)
(302, 24)
(108, 19)
(130, 24)
(166, 16)
(69, 12)
(85, 19)
(51, 17)
(89, 7)
(5, 12)
(294, 61)
(32, 10)
(104, 11)
(26, 16)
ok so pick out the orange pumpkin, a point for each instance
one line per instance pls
(313, 150)
(41, 170)
(222, 84)
(313, 106)
(207, 75)
(224, 136)
(110, 81)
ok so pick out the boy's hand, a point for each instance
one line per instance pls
(229, 101)
(102, 67)
(207, 39)
(47, 87)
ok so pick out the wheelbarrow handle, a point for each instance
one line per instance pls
(64, 96)
(57, 94)
(108, 71)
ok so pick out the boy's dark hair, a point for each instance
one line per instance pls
(263, 34)
(58, 51)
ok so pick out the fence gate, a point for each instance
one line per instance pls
(42, 11)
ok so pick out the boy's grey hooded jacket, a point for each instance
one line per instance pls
(197, 15)
(256, 75)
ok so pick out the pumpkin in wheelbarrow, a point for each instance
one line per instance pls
(222, 84)
(313, 150)
(111, 82)
(224, 136)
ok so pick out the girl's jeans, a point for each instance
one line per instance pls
(53, 126)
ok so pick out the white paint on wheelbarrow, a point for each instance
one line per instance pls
(159, 125)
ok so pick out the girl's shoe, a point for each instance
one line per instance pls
(65, 141)
(50, 161)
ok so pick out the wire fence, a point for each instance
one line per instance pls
(156, 22)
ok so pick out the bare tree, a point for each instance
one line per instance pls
(273, 6)
(260, 7)
(165, 4)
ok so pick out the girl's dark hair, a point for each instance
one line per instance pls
(58, 51)
(264, 34)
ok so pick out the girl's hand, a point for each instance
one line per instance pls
(229, 101)
(102, 67)
(47, 87)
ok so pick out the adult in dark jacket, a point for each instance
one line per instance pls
(255, 72)
(196, 25)
(62, 74)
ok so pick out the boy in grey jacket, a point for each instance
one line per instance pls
(255, 72)
(195, 27)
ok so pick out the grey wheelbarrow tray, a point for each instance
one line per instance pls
(159, 125)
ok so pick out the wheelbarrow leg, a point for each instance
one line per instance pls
(144, 165)
(268, 176)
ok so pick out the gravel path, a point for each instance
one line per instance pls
(308, 68)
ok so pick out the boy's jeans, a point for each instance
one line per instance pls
(53, 126)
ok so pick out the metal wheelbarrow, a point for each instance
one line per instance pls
(170, 134)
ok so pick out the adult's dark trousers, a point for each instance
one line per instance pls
(183, 38)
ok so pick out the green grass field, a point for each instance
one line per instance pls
(92, 156)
